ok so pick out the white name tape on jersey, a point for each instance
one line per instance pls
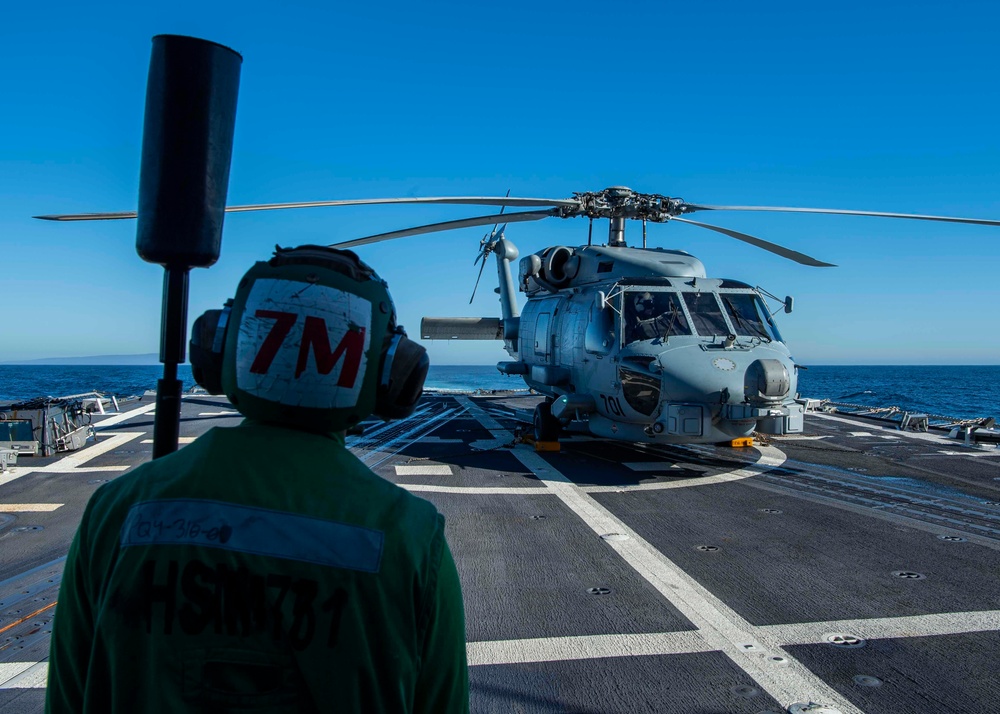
(303, 344)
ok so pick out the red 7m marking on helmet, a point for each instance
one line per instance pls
(315, 335)
(279, 331)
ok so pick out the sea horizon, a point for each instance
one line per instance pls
(963, 391)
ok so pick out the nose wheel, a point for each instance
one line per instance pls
(547, 427)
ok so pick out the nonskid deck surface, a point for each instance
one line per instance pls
(854, 565)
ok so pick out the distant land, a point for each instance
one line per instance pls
(148, 358)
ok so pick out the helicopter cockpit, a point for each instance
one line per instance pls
(653, 314)
(649, 315)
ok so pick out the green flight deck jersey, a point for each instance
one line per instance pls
(258, 569)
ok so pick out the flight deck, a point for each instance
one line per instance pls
(853, 567)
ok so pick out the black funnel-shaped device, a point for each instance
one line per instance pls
(187, 144)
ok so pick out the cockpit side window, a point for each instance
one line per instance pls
(706, 314)
(651, 315)
(749, 316)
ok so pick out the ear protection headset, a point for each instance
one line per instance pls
(310, 341)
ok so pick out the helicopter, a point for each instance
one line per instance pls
(625, 343)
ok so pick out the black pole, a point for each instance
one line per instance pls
(187, 145)
(173, 335)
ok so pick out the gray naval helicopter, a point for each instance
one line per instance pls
(636, 344)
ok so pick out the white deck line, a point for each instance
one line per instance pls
(749, 647)
(478, 490)
(74, 463)
(765, 464)
(423, 470)
(124, 416)
(946, 623)
(29, 507)
(560, 649)
(28, 675)
(24, 675)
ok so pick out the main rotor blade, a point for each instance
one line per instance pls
(843, 212)
(449, 226)
(458, 201)
(766, 245)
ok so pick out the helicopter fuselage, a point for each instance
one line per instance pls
(640, 345)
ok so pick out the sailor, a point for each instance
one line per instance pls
(263, 567)
(644, 325)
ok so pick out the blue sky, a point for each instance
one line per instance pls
(875, 106)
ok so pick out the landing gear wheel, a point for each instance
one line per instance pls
(547, 427)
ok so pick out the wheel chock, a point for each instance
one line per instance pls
(547, 446)
(742, 442)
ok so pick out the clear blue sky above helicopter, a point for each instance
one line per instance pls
(878, 106)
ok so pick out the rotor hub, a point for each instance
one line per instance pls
(623, 202)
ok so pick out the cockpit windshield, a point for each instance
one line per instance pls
(749, 316)
(651, 315)
(706, 314)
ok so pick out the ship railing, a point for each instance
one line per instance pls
(907, 419)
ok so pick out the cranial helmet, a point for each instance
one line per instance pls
(643, 302)
(310, 341)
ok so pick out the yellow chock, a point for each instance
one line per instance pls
(739, 443)
(547, 446)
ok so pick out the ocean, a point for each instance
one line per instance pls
(965, 392)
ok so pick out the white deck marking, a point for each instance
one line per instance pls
(124, 416)
(860, 433)
(24, 675)
(29, 507)
(74, 462)
(559, 649)
(763, 465)
(948, 623)
(478, 490)
(222, 413)
(423, 470)
(720, 626)
(180, 440)
(973, 454)
(553, 649)
(12, 669)
(794, 437)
